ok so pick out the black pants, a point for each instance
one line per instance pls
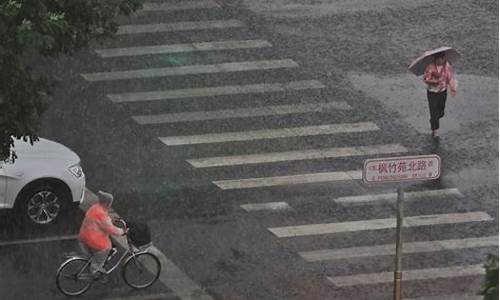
(437, 102)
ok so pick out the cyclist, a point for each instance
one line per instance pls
(95, 231)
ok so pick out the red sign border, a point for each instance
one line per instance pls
(399, 158)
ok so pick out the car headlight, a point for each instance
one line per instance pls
(76, 170)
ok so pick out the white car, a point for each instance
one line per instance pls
(44, 180)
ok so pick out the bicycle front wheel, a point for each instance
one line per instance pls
(141, 270)
(74, 276)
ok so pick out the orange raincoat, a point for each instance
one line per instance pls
(96, 228)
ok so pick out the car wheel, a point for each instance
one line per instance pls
(42, 204)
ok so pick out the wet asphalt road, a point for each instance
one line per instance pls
(359, 50)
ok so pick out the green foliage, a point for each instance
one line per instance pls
(33, 28)
(490, 288)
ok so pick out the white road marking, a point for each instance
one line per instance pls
(216, 91)
(179, 26)
(176, 280)
(376, 224)
(287, 180)
(184, 5)
(162, 296)
(239, 113)
(268, 134)
(178, 48)
(449, 297)
(171, 275)
(408, 247)
(420, 274)
(295, 155)
(191, 70)
(391, 197)
(266, 206)
(39, 240)
(303, 9)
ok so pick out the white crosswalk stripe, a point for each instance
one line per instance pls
(179, 26)
(192, 70)
(408, 247)
(287, 180)
(419, 274)
(39, 240)
(391, 197)
(161, 296)
(180, 48)
(266, 206)
(450, 297)
(295, 155)
(376, 224)
(268, 134)
(184, 5)
(216, 91)
(239, 113)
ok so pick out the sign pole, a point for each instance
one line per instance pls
(401, 169)
(398, 275)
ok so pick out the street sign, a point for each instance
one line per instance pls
(401, 169)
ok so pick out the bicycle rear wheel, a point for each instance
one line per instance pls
(141, 270)
(74, 276)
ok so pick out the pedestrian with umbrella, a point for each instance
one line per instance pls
(436, 67)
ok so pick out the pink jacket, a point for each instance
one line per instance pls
(444, 76)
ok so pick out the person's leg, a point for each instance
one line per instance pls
(94, 261)
(85, 250)
(432, 98)
(442, 103)
(99, 258)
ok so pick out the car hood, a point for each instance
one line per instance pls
(44, 148)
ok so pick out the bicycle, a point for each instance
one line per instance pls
(136, 261)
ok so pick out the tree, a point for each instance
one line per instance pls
(490, 288)
(30, 29)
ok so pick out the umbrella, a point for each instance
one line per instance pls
(418, 65)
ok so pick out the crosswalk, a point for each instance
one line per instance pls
(377, 224)
(388, 249)
(182, 48)
(418, 274)
(184, 5)
(192, 70)
(179, 26)
(391, 197)
(266, 206)
(215, 91)
(268, 134)
(294, 142)
(294, 155)
(451, 297)
(272, 110)
(287, 180)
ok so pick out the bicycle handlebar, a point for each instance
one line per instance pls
(122, 223)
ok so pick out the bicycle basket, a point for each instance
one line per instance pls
(139, 234)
